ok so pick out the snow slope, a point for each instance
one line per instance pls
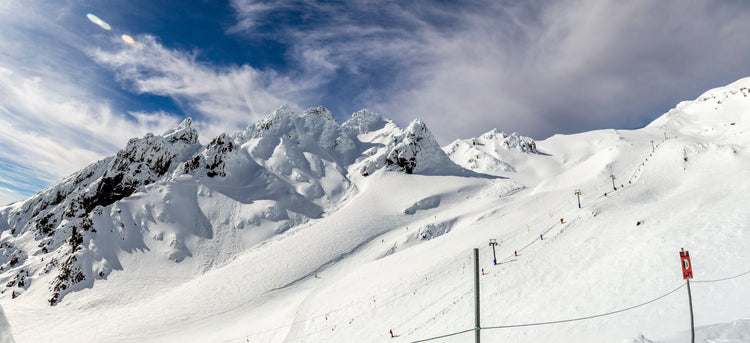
(6, 336)
(305, 232)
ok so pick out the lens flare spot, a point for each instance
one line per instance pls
(128, 39)
(132, 41)
(94, 19)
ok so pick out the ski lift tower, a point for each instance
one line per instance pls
(493, 243)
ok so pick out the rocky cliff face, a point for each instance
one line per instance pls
(56, 225)
(417, 150)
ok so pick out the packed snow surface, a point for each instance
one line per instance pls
(299, 229)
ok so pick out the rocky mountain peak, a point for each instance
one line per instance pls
(183, 132)
(281, 120)
(418, 150)
(512, 141)
(320, 112)
(365, 121)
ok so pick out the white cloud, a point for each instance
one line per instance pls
(582, 65)
(55, 113)
(222, 98)
(537, 67)
(58, 134)
(8, 196)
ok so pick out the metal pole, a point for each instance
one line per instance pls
(692, 327)
(477, 327)
(493, 243)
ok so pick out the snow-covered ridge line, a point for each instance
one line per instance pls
(298, 165)
(492, 152)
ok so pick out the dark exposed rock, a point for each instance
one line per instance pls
(11, 255)
(46, 223)
(70, 274)
(61, 216)
(142, 162)
(406, 164)
(20, 280)
(184, 133)
(212, 159)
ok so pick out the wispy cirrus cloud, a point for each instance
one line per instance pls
(220, 97)
(537, 67)
(55, 113)
(45, 135)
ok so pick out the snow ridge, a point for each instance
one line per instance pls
(60, 218)
(281, 171)
(492, 152)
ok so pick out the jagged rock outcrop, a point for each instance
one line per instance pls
(492, 152)
(211, 161)
(60, 218)
(417, 150)
(512, 141)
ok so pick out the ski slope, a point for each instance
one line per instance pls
(396, 253)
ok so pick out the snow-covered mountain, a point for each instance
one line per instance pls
(493, 152)
(169, 194)
(301, 229)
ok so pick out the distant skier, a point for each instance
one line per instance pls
(482, 271)
(562, 221)
(392, 334)
(540, 237)
(515, 252)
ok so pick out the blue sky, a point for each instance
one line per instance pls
(72, 92)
